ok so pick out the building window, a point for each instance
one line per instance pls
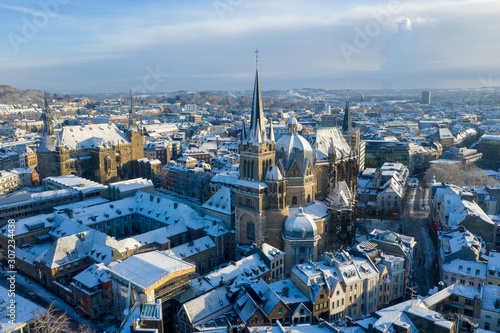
(294, 200)
(250, 231)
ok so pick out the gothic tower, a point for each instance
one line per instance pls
(47, 117)
(136, 137)
(259, 203)
(346, 125)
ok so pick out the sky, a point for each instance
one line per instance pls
(72, 46)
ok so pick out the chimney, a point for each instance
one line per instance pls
(401, 327)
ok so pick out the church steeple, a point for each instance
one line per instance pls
(271, 132)
(257, 119)
(346, 125)
(132, 125)
(244, 133)
(47, 116)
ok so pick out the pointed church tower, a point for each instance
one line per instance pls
(256, 151)
(256, 210)
(132, 125)
(47, 117)
(135, 136)
(346, 125)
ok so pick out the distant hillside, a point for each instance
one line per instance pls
(9, 95)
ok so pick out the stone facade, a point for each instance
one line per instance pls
(275, 176)
(101, 164)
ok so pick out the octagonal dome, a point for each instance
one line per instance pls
(300, 226)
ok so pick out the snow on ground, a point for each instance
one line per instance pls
(49, 297)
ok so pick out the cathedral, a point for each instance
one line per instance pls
(293, 195)
(99, 152)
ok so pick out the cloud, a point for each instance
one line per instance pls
(404, 25)
(108, 47)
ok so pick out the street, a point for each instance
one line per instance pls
(25, 285)
(413, 221)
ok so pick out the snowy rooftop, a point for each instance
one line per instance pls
(93, 276)
(145, 269)
(270, 251)
(317, 209)
(77, 183)
(131, 184)
(288, 292)
(455, 240)
(250, 184)
(491, 294)
(85, 137)
(207, 305)
(468, 268)
(197, 246)
(26, 311)
(82, 204)
(220, 202)
(35, 197)
(252, 266)
(455, 289)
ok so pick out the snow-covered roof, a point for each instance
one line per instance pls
(252, 266)
(85, 137)
(491, 295)
(207, 305)
(93, 276)
(473, 269)
(196, 246)
(131, 184)
(288, 292)
(331, 140)
(25, 311)
(77, 183)
(145, 269)
(270, 251)
(250, 184)
(221, 201)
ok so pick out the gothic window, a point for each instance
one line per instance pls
(294, 200)
(107, 164)
(245, 169)
(250, 230)
(308, 198)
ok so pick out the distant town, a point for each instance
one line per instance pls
(305, 210)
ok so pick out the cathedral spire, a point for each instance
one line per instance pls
(132, 125)
(257, 119)
(271, 132)
(47, 116)
(346, 125)
(244, 133)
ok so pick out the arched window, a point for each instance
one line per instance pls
(252, 169)
(245, 169)
(294, 200)
(250, 230)
(308, 198)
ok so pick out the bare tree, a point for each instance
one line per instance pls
(84, 329)
(52, 321)
(459, 175)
